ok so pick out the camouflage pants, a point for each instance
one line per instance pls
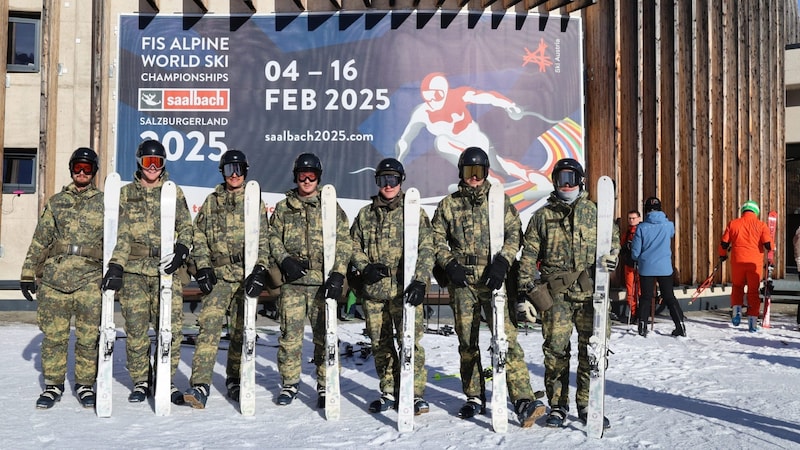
(139, 301)
(384, 321)
(557, 324)
(294, 304)
(226, 297)
(54, 312)
(467, 303)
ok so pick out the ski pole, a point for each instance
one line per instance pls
(708, 281)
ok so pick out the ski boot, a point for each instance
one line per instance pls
(197, 396)
(421, 406)
(642, 328)
(382, 404)
(232, 384)
(52, 394)
(176, 396)
(680, 330)
(528, 411)
(320, 397)
(85, 395)
(288, 393)
(583, 415)
(141, 389)
(473, 407)
(736, 318)
(557, 417)
(752, 324)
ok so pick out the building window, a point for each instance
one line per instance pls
(24, 38)
(19, 171)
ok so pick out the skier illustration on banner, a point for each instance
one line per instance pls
(445, 114)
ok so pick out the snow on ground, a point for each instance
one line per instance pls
(720, 387)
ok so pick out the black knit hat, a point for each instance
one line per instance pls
(652, 204)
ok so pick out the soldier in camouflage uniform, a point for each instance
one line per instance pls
(377, 236)
(67, 253)
(295, 240)
(461, 238)
(137, 255)
(219, 253)
(562, 238)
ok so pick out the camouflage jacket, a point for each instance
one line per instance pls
(295, 229)
(219, 235)
(377, 236)
(563, 238)
(71, 225)
(140, 227)
(461, 230)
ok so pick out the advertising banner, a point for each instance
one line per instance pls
(353, 88)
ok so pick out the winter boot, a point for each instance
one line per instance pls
(642, 328)
(583, 415)
(421, 406)
(320, 397)
(473, 407)
(52, 394)
(736, 318)
(197, 396)
(680, 330)
(557, 417)
(176, 396)
(85, 395)
(752, 323)
(288, 393)
(528, 411)
(382, 404)
(141, 389)
(232, 384)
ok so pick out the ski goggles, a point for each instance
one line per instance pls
(387, 180)
(151, 162)
(567, 178)
(84, 167)
(306, 177)
(479, 172)
(231, 169)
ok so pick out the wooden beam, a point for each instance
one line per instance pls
(201, 4)
(153, 4)
(509, 3)
(487, 3)
(578, 5)
(551, 5)
(249, 4)
(530, 4)
(301, 4)
(338, 5)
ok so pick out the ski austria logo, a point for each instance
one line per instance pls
(173, 99)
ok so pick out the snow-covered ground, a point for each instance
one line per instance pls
(720, 387)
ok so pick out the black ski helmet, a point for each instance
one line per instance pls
(390, 166)
(472, 156)
(87, 155)
(568, 164)
(150, 147)
(307, 162)
(234, 156)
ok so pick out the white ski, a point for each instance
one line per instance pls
(108, 331)
(499, 341)
(332, 394)
(252, 219)
(163, 380)
(598, 343)
(405, 401)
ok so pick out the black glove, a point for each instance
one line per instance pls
(179, 255)
(206, 279)
(457, 273)
(722, 259)
(414, 294)
(375, 272)
(496, 272)
(293, 269)
(255, 282)
(113, 279)
(28, 288)
(333, 286)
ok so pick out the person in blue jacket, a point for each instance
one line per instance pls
(651, 251)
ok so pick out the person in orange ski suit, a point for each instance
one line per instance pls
(632, 287)
(745, 239)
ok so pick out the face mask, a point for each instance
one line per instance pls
(568, 196)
